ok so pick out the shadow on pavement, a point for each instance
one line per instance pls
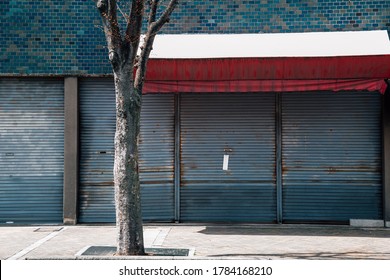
(311, 256)
(300, 230)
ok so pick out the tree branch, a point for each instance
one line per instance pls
(107, 10)
(143, 59)
(153, 28)
(164, 18)
(134, 25)
(153, 11)
(123, 14)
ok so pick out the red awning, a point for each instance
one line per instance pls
(268, 74)
(275, 68)
(374, 85)
(211, 73)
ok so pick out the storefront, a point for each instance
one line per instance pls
(238, 139)
(259, 128)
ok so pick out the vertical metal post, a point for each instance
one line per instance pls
(177, 157)
(279, 181)
(386, 158)
(71, 151)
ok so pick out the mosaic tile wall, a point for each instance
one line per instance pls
(64, 37)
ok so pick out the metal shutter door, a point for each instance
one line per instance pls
(97, 130)
(243, 125)
(331, 156)
(157, 150)
(31, 150)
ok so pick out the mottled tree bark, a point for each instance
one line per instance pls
(126, 173)
(122, 53)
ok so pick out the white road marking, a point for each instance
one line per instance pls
(35, 245)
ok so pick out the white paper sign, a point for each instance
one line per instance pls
(225, 162)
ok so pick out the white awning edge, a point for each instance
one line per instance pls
(310, 44)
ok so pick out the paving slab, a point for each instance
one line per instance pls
(282, 242)
(15, 239)
(66, 241)
(205, 241)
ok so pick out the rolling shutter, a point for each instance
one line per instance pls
(331, 157)
(31, 150)
(97, 130)
(157, 157)
(241, 126)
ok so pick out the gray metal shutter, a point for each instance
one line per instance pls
(157, 149)
(31, 150)
(331, 156)
(243, 127)
(97, 130)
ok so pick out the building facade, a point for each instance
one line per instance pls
(294, 141)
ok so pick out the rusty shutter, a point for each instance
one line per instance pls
(97, 130)
(332, 166)
(241, 126)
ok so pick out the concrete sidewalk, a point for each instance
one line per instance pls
(206, 241)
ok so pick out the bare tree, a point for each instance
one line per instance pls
(129, 75)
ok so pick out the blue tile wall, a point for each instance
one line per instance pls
(64, 37)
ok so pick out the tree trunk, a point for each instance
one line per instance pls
(126, 177)
(122, 51)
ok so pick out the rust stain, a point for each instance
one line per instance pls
(101, 184)
(334, 169)
(156, 169)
